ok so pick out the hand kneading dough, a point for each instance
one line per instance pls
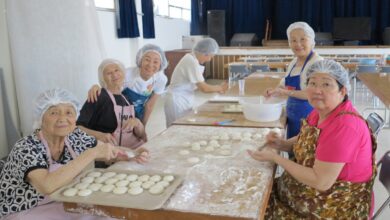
(155, 178)
(87, 179)
(70, 192)
(120, 190)
(135, 190)
(94, 174)
(169, 178)
(193, 159)
(107, 188)
(122, 183)
(143, 178)
(156, 189)
(147, 184)
(109, 174)
(95, 186)
(184, 152)
(132, 177)
(84, 192)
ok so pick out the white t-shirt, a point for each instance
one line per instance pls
(187, 72)
(134, 81)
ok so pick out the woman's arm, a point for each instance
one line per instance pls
(207, 88)
(47, 182)
(104, 137)
(149, 107)
(282, 91)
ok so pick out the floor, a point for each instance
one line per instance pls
(156, 125)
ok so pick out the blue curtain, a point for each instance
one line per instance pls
(127, 23)
(148, 19)
(249, 16)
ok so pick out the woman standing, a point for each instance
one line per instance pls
(301, 41)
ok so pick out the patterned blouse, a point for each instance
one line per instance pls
(28, 154)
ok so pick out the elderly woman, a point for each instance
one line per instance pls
(143, 83)
(334, 170)
(111, 118)
(301, 40)
(40, 163)
(187, 77)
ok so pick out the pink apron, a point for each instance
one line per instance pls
(124, 137)
(47, 208)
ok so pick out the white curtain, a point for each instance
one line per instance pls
(54, 43)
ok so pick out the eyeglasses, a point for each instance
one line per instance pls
(325, 86)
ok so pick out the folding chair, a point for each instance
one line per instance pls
(385, 69)
(362, 88)
(259, 68)
(375, 122)
(237, 71)
(384, 178)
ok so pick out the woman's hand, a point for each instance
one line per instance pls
(275, 141)
(131, 123)
(276, 92)
(224, 87)
(266, 154)
(106, 138)
(142, 155)
(106, 151)
(93, 93)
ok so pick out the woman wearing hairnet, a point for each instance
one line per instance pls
(334, 167)
(187, 77)
(143, 83)
(301, 41)
(40, 163)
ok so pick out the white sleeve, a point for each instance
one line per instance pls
(161, 82)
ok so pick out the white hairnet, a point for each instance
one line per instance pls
(103, 65)
(206, 46)
(309, 32)
(51, 98)
(333, 68)
(152, 48)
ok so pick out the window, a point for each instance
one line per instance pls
(105, 4)
(173, 8)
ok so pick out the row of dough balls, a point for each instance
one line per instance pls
(119, 184)
(211, 146)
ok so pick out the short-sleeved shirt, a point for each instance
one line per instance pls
(100, 115)
(28, 154)
(345, 139)
(134, 81)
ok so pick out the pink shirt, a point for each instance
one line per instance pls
(345, 139)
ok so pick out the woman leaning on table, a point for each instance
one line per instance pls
(334, 168)
(301, 41)
(48, 159)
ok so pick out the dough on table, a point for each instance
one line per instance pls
(214, 137)
(193, 160)
(120, 176)
(236, 137)
(135, 184)
(100, 179)
(213, 143)
(155, 178)
(257, 136)
(95, 186)
(135, 190)
(209, 149)
(110, 181)
(246, 138)
(225, 137)
(81, 185)
(195, 147)
(144, 178)
(70, 192)
(225, 152)
(184, 152)
(122, 183)
(94, 174)
(266, 131)
(109, 174)
(247, 134)
(163, 183)
(226, 147)
(169, 178)
(277, 131)
(87, 179)
(156, 189)
(132, 177)
(186, 144)
(120, 190)
(84, 192)
(147, 184)
(107, 188)
(203, 143)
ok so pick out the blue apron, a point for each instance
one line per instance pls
(296, 108)
(138, 100)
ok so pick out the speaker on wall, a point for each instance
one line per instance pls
(216, 26)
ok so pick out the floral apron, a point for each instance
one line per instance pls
(291, 199)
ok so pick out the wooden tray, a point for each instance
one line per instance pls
(145, 200)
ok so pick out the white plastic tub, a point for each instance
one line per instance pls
(260, 109)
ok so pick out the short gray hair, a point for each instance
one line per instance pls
(206, 46)
(103, 65)
(309, 32)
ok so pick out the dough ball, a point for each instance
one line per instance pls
(120, 176)
(257, 136)
(225, 152)
(156, 189)
(107, 188)
(147, 184)
(214, 137)
(120, 190)
(169, 178)
(95, 186)
(236, 137)
(84, 192)
(247, 134)
(203, 143)
(163, 183)
(191, 119)
(226, 147)
(111, 181)
(100, 179)
(87, 179)
(193, 160)
(135, 184)
(209, 149)
(94, 174)
(122, 183)
(195, 144)
(135, 190)
(277, 131)
(81, 185)
(143, 178)
(186, 144)
(213, 143)
(266, 131)
(225, 137)
(70, 192)
(109, 174)
(195, 147)
(155, 178)
(184, 152)
(246, 139)
(132, 177)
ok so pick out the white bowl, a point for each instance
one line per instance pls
(261, 110)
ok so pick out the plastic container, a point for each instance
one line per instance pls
(261, 110)
(367, 61)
